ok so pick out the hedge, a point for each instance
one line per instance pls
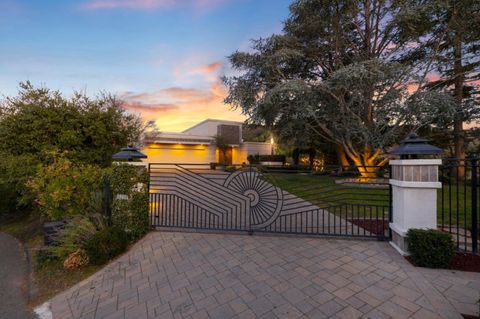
(130, 199)
(431, 248)
(257, 159)
(106, 244)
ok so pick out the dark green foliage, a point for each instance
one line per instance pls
(130, 199)
(38, 124)
(77, 232)
(39, 121)
(257, 159)
(431, 248)
(44, 256)
(333, 75)
(65, 189)
(106, 244)
(15, 171)
(255, 133)
(230, 169)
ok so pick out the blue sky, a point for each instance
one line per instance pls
(164, 57)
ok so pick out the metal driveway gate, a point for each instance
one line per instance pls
(334, 201)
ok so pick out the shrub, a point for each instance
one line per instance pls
(431, 248)
(230, 169)
(106, 244)
(130, 211)
(65, 189)
(253, 159)
(15, 171)
(257, 159)
(76, 233)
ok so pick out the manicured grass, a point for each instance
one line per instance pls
(323, 191)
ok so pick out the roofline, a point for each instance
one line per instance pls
(212, 120)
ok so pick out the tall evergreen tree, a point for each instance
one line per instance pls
(450, 34)
(334, 70)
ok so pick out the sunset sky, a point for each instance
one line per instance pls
(163, 57)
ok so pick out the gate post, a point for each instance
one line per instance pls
(414, 198)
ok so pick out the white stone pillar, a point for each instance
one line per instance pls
(414, 198)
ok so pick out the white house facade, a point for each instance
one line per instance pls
(196, 145)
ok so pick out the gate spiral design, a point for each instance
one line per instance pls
(265, 199)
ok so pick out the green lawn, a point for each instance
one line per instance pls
(347, 201)
(324, 192)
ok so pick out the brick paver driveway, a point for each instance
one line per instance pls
(195, 275)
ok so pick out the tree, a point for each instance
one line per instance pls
(39, 121)
(38, 124)
(451, 40)
(334, 72)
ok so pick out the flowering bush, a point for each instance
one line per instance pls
(65, 189)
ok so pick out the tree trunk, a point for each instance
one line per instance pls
(342, 156)
(458, 133)
(367, 163)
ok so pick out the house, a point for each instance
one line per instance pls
(196, 145)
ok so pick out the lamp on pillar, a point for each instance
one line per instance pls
(412, 147)
(128, 153)
(414, 180)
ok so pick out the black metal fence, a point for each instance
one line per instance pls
(337, 201)
(458, 202)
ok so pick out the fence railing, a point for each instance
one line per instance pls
(458, 202)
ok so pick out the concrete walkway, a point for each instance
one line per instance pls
(195, 275)
(13, 274)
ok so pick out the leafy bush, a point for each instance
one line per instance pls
(431, 248)
(37, 121)
(65, 189)
(77, 232)
(15, 171)
(130, 199)
(230, 169)
(106, 244)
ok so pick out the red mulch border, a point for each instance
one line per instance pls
(461, 261)
(377, 227)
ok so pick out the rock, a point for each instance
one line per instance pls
(52, 232)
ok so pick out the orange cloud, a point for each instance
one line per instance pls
(149, 4)
(412, 87)
(156, 108)
(176, 109)
(208, 68)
